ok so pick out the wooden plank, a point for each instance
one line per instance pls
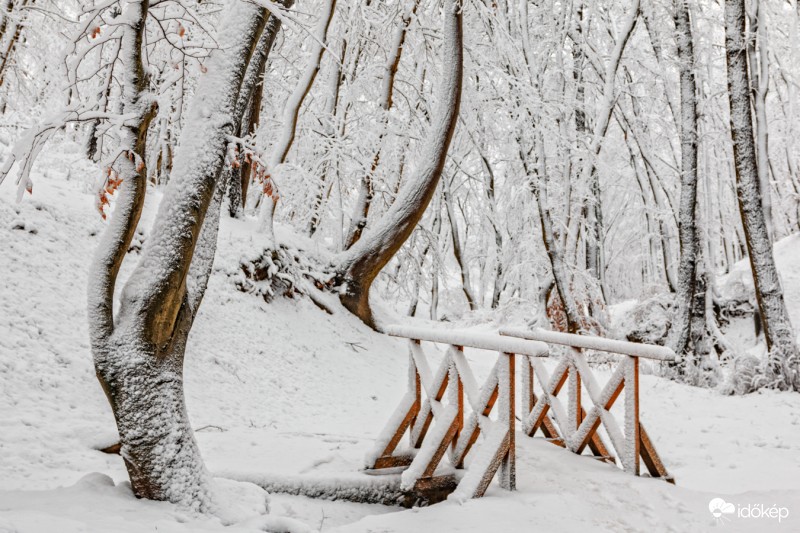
(529, 384)
(651, 459)
(460, 415)
(545, 423)
(439, 453)
(407, 421)
(430, 490)
(475, 429)
(540, 419)
(490, 471)
(588, 437)
(600, 344)
(401, 429)
(392, 461)
(429, 412)
(597, 446)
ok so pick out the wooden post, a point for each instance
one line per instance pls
(631, 463)
(508, 468)
(574, 399)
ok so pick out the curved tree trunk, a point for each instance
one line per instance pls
(360, 265)
(139, 353)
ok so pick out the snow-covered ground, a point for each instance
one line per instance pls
(283, 389)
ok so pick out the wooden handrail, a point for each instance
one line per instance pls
(600, 344)
(470, 339)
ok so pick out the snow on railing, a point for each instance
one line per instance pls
(444, 392)
(576, 428)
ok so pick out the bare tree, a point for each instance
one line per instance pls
(361, 264)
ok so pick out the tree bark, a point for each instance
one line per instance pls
(458, 252)
(367, 187)
(775, 319)
(248, 109)
(359, 266)
(139, 353)
(687, 218)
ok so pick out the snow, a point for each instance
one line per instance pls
(484, 341)
(283, 391)
(648, 351)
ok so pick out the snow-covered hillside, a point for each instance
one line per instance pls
(286, 389)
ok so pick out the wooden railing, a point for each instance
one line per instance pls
(576, 427)
(441, 395)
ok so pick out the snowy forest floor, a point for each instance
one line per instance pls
(285, 389)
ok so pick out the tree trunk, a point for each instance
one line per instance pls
(367, 187)
(687, 225)
(759, 78)
(248, 109)
(769, 294)
(458, 252)
(291, 114)
(139, 353)
(360, 265)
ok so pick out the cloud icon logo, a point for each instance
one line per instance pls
(719, 507)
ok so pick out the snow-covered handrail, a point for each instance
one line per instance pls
(600, 344)
(470, 339)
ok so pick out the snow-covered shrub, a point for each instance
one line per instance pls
(649, 321)
(283, 272)
(743, 376)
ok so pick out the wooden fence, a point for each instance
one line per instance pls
(463, 409)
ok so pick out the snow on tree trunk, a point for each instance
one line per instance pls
(687, 227)
(759, 77)
(367, 188)
(248, 109)
(458, 252)
(359, 266)
(290, 116)
(139, 353)
(783, 368)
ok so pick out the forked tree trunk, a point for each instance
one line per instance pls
(139, 353)
(248, 109)
(775, 319)
(360, 265)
